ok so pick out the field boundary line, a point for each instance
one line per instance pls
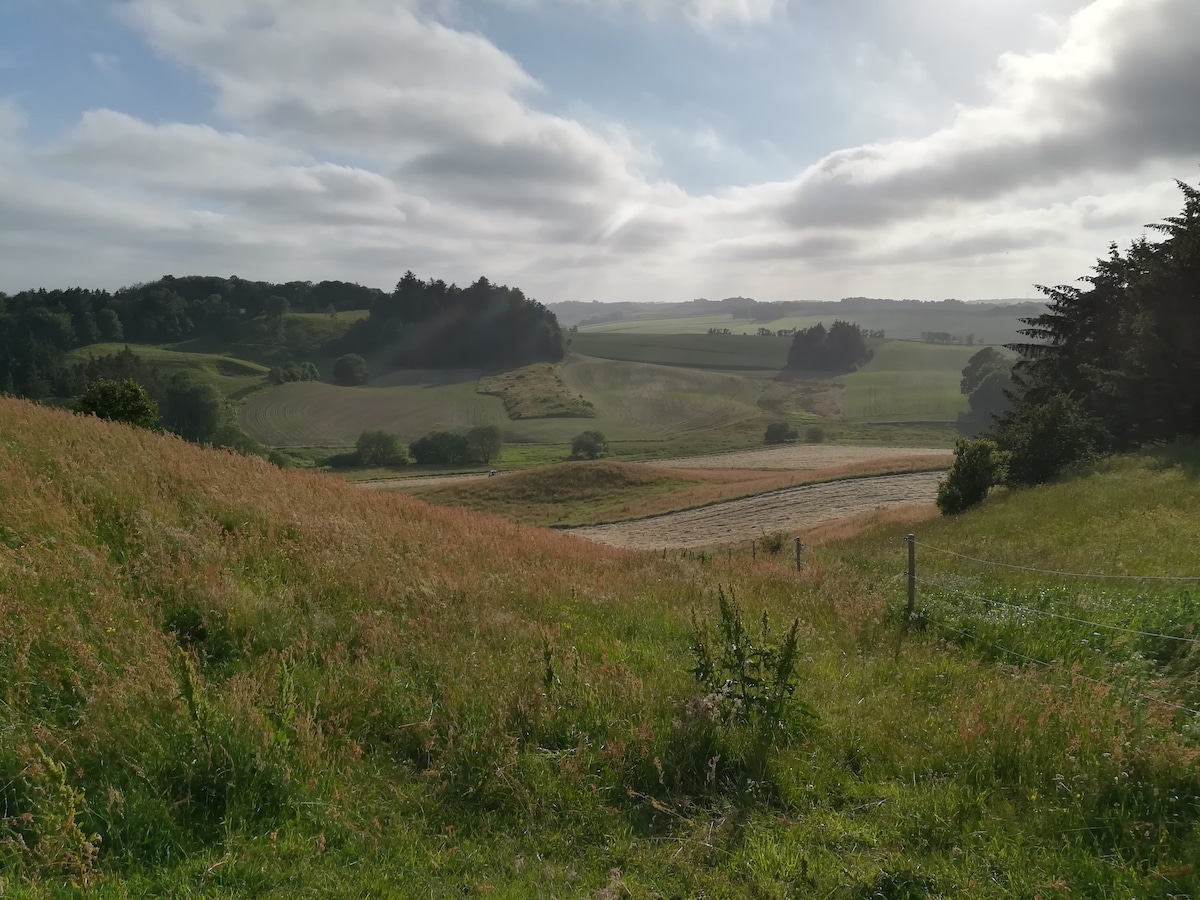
(989, 562)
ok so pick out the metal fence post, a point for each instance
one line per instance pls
(912, 575)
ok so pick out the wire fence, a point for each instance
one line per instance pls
(990, 603)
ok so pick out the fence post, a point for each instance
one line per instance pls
(753, 550)
(730, 555)
(799, 559)
(912, 575)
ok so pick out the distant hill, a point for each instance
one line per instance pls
(583, 314)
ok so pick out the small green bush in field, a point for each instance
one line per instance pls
(750, 685)
(773, 542)
(977, 466)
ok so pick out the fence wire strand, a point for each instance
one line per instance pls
(1054, 615)
(989, 562)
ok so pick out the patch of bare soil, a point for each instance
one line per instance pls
(787, 510)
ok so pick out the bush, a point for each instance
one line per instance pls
(1043, 441)
(814, 434)
(440, 448)
(773, 542)
(342, 460)
(749, 689)
(779, 433)
(119, 401)
(379, 448)
(977, 466)
(231, 437)
(293, 372)
(350, 370)
(589, 445)
(485, 443)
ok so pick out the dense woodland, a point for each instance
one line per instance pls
(840, 348)
(430, 323)
(423, 323)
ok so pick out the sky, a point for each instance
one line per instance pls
(593, 149)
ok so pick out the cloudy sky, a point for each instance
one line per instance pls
(593, 149)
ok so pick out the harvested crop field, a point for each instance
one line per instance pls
(800, 456)
(749, 517)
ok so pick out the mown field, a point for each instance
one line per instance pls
(219, 678)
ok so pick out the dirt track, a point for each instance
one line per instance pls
(749, 517)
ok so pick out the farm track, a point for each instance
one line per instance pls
(749, 517)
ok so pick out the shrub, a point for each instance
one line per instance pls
(350, 370)
(773, 542)
(440, 448)
(977, 466)
(380, 448)
(589, 445)
(1044, 441)
(779, 433)
(814, 434)
(119, 401)
(749, 683)
(485, 443)
(342, 460)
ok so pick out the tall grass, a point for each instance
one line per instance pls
(221, 678)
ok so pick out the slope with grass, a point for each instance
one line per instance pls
(232, 376)
(536, 392)
(220, 678)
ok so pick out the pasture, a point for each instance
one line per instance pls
(701, 351)
(907, 382)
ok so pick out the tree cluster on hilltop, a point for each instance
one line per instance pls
(432, 323)
(841, 348)
(1110, 366)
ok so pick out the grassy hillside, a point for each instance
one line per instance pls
(220, 678)
(231, 375)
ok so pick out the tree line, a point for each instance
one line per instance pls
(840, 348)
(424, 324)
(1111, 366)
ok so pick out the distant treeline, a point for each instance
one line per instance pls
(575, 312)
(426, 323)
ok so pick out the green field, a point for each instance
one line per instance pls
(632, 401)
(988, 328)
(907, 382)
(701, 351)
(233, 376)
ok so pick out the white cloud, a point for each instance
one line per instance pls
(704, 13)
(358, 142)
